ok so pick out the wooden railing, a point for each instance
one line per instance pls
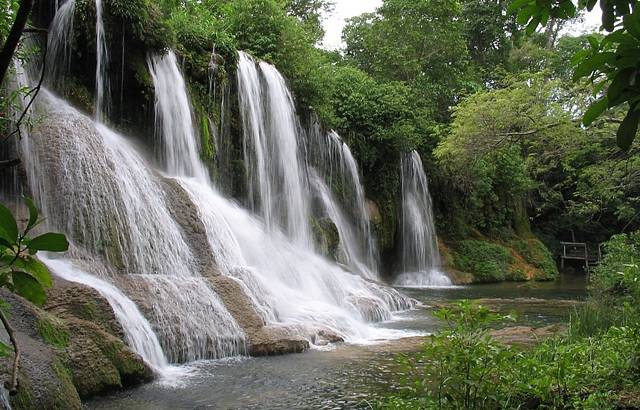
(580, 251)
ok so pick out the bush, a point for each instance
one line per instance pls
(488, 262)
(463, 367)
(536, 254)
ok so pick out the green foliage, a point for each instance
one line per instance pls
(612, 62)
(619, 275)
(536, 254)
(488, 262)
(463, 367)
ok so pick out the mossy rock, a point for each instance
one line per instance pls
(326, 237)
(537, 255)
(487, 261)
(53, 330)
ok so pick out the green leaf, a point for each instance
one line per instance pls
(628, 129)
(619, 83)
(594, 111)
(5, 349)
(631, 23)
(593, 41)
(593, 63)
(28, 287)
(8, 225)
(517, 5)
(33, 213)
(54, 242)
(34, 267)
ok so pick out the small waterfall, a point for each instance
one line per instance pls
(174, 125)
(276, 175)
(420, 255)
(340, 168)
(59, 43)
(350, 252)
(103, 89)
(138, 333)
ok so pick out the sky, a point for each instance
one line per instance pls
(345, 9)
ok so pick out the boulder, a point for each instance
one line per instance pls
(527, 336)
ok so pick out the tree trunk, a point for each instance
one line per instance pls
(13, 39)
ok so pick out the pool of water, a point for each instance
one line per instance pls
(345, 376)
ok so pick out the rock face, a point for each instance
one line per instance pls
(71, 349)
(186, 214)
(263, 340)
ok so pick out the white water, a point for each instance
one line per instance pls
(340, 169)
(420, 256)
(59, 42)
(276, 176)
(178, 143)
(286, 281)
(103, 89)
(138, 332)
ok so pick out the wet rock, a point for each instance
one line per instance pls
(71, 351)
(263, 340)
(527, 336)
(72, 300)
(326, 237)
(185, 213)
(374, 212)
(276, 340)
(44, 381)
(100, 362)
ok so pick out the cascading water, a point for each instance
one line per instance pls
(124, 221)
(276, 176)
(338, 166)
(420, 255)
(138, 332)
(286, 281)
(103, 89)
(59, 43)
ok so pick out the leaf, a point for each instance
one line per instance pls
(619, 83)
(33, 213)
(54, 242)
(593, 41)
(517, 5)
(591, 64)
(631, 23)
(628, 129)
(33, 267)
(8, 225)
(594, 111)
(28, 287)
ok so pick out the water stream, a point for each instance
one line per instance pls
(420, 256)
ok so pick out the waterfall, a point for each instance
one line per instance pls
(420, 255)
(59, 42)
(338, 166)
(102, 64)
(275, 172)
(138, 332)
(288, 283)
(174, 125)
(136, 228)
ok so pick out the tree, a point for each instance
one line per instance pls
(13, 37)
(611, 64)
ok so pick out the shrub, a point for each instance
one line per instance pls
(536, 254)
(488, 262)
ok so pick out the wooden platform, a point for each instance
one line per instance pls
(580, 251)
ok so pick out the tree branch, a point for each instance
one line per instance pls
(13, 39)
(13, 383)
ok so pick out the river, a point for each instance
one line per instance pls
(343, 376)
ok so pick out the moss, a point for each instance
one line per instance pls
(67, 395)
(208, 149)
(537, 255)
(326, 237)
(24, 397)
(53, 330)
(487, 261)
